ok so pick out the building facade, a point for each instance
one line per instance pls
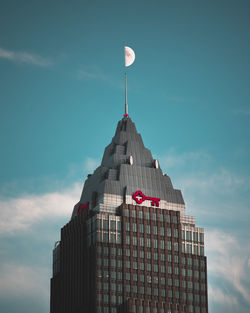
(129, 246)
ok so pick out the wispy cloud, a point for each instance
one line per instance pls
(22, 281)
(228, 259)
(242, 111)
(173, 159)
(91, 164)
(96, 74)
(25, 57)
(19, 214)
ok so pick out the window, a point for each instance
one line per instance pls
(177, 282)
(134, 241)
(176, 246)
(176, 259)
(134, 227)
(149, 280)
(169, 258)
(169, 232)
(141, 228)
(190, 285)
(113, 262)
(148, 267)
(119, 287)
(142, 278)
(126, 213)
(163, 270)
(176, 270)
(183, 235)
(155, 230)
(190, 273)
(113, 287)
(141, 266)
(156, 291)
(168, 218)
(127, 288)
(176, 233)
(106, 300)
(162, 231)
(149, 291)
(127, 276)
(140, 214)
(127, 252)
(148, 243)
(147, 216)
(105, 286)
(105, 224)
(154, 216)
(127, 226)
(118, 226)
(133, 213)
(148, 255)
(175, 219)
(106, 251)
(160, 217)
(141, 254)
(169, 245)
(113, 225)
(184, 296)
(142, 290)
(119, 263)
(163, 280)
(156, 268)
(162, 243)
(201, 238)
(170, 294)
(148, 229)
(105, 262)
(135, 253)
(184, 284)
(127, 240)
(201, 250)
(177, 295)
(128, 264)
(135, 265)
(141, 240)
(155, 256)
(155, 243)
(134, 289)
(119, 275)
(162, 257)
(169, 270)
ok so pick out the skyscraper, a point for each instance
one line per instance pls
(129, 246)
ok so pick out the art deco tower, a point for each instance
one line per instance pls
(129, 246)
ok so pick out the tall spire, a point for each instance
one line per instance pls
(126, 104)
(129, 59)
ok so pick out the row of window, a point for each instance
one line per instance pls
(149, 279)
(152, 216)
(141, 309)
(151, 229)
(190, 297)
(148, 242)
(117, 252)
(189, 235)
(193, 249)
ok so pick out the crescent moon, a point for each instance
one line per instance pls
(129, 56)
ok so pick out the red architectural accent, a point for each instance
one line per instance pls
(125, 115)
(139, 197)
(82, 207)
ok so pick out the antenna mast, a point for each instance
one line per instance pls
(126, 104)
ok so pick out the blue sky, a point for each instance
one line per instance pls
(62, 94)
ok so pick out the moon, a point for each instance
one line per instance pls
(129, 56)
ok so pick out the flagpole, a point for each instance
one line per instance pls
(126, 104)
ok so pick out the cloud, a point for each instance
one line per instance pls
(228, 260)
(91, 164)
(19, 214)
(22, 281)
(242, 111)
(25, 57)
(95, 74)
(172, 159)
